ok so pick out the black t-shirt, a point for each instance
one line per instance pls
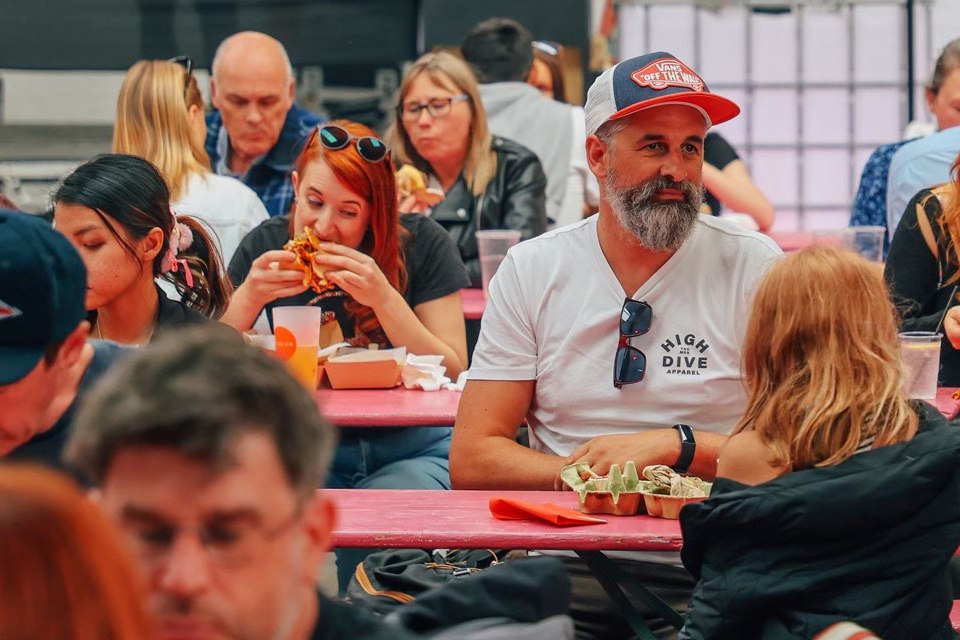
(174, 313)
(921, 283)
(719, 153)
(343, 621)
(45, 448)
(434, 270)
(170, 314)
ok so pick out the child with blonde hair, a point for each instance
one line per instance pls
(837, 498)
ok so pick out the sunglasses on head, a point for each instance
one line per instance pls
(187, 63)
(334, 137)
(630, 364)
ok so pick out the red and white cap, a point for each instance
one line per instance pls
(652, 80)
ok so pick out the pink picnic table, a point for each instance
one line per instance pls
(946, 403)
(473, 303)
(397, 407)
(371, 518)
(462, 519)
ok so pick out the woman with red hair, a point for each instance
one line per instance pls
(65, 574)
(397, 281)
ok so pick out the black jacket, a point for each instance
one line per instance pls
(514, 199)
(867, 540)
(922, 283)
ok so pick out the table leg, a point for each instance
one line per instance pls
(612, 578)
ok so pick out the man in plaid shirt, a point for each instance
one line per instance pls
(257, 131)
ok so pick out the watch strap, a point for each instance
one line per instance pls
(688, 447)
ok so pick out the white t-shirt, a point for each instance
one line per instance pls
(553, 316)
(227, 206)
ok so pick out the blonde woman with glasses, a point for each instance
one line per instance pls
(160, 117)
(837, 499)
(488, 182)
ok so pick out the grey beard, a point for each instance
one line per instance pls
(659, 226)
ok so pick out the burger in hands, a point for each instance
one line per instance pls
(411, 182)
(305, 245)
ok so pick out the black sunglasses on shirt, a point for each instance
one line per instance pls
(630, 364)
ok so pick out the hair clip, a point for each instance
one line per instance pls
(187, 274)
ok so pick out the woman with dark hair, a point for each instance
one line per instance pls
(115, 209)
(546, 74)
(396, 283)
(66, 575)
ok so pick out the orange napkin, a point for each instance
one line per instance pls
(511, 509)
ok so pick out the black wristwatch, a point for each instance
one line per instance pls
(688, 447)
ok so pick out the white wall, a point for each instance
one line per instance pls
(780, 128)
(820, 87)
(63, 97)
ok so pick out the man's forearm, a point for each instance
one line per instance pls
(496, 462)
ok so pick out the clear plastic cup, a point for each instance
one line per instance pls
(865, 241)
(493, 246)
(920, 353)
(297, 332)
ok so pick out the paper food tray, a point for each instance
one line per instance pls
(352, 368)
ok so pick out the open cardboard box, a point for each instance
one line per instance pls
(352, 368)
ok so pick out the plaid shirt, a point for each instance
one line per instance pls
(269, 176)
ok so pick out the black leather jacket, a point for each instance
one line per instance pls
(514, 199)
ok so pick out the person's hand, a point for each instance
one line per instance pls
(651, 447)
(411, 204)
(273, 275)
(951, 326)
(420, 201)
(356, 273)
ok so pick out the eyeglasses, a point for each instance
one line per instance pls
(436, 107)
(187, 63)
(228, 545)
(630, 364)
(334, 137)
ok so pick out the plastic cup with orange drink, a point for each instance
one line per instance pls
(297, 333)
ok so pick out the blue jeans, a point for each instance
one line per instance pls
(387, 458)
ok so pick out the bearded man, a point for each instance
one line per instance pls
(619, 338)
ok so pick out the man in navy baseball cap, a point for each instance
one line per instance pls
(619, 338)
(45, 358)
(652, 80)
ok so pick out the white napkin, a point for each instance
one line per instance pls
(458, 385)
(424, 372)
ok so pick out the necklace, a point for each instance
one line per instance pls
(149, 335)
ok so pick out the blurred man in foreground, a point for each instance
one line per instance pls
(207, 454)
(46, 361)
